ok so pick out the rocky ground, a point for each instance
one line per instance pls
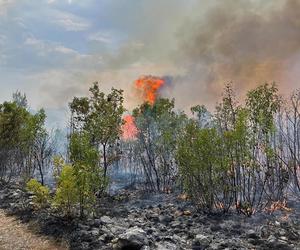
(161, 221)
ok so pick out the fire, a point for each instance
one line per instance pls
(129, 129)
(278, 205)
(149, 86)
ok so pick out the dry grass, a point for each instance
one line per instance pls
(15, 235)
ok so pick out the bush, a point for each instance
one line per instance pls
(199, 160)
(77, 186)
(90, 179)
(66, 196)
(41, 193)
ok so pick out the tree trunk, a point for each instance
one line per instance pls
(104, 160)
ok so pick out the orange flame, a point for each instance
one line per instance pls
(129, 129)
(148, 86)
(278, 205)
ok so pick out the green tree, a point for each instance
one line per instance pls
(202, 166)
(159, 127)
(100, 116)
(18, 132)
(263, 104)
(89, 177)
(66, 196)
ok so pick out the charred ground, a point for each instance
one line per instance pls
(138, 220)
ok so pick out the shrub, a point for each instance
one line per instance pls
(66, 196)
(90, 179)
(199, 160)
(77, 186)
(41, 193)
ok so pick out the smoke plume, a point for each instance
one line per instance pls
(243, 42)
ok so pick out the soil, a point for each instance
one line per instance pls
(16, 235)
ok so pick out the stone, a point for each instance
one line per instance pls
(264, 232)
(187, 212)
(94, 232)
(201, 242)
(97, 223)
(271, 239)
(85, 236)
(106, 220)
(252, 234)
(106, 237)
(283, 238)
(116, 229)
(17, 194)
(282, 232)
(277, 223)
(215, 228)
(166, 246)
(165, 219)
(176, 224)
(133, 238)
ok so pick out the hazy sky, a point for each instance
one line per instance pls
(54, 49)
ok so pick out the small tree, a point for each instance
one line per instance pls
(66, 196)
(158, 127)
(100, 116)
(41, 193)
(89, 177)
(19, 129)
(43, 152)
(202, 166)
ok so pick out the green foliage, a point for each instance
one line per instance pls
(263, 102)
(19, 130)
(241, 156)
(202, 114)
(89, 177)
(201, 164)
(100, 118)
(77, 185)
(41, 193)
(82, 152)
(233, 161)
(159, 127)
(66, 196)
(58, 163)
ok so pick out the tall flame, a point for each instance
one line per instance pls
(149, 86)
(129, 129)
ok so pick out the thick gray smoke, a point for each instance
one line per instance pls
(200, 45)
(243, 42)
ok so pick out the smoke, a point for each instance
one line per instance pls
(199, 45)
(204, 45)
(243, 42)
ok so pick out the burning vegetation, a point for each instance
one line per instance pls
(173, 174)
(242, 158)
(148, 87)
(129, 129)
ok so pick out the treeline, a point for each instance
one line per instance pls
(26, 147)
(242, 156)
